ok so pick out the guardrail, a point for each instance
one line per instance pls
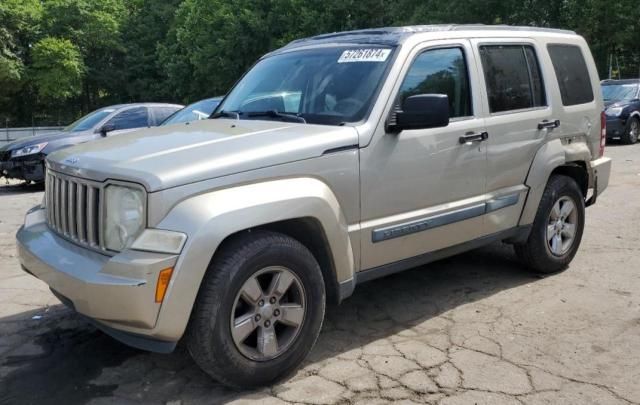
(11, 134)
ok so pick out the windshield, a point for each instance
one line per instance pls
(89, 120)
(194, 112)
(323, 86)
(618, 92)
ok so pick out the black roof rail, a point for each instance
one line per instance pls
(395, 35)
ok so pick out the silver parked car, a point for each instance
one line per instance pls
(335, 160)
(24, 158)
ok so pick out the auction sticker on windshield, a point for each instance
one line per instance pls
(364, 55)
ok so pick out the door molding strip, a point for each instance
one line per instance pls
(435, 221)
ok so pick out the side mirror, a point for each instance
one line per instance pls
(423, 111)
(107, 128)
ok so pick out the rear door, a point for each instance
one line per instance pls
(519, 119)
(577, 83)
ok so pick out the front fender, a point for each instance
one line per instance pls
(209, 218)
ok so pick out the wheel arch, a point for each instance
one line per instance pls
(309, 232)
(577, 171)
(552, 158)
(303, 208)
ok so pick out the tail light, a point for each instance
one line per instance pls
(603, 132)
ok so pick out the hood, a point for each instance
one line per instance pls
(31, 140)
(164, 157)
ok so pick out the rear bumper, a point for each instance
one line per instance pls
(116, 292)
(600, 171)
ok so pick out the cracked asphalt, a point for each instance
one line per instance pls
(472, 329)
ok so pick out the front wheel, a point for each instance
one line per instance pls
(557, 228)
(632, 131)
(259, 310)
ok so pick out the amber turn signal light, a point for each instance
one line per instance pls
(163, 283)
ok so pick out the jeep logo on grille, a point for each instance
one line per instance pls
(72, 160)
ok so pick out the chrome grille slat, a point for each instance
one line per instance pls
(71, 210)
(91, 216)
(57, 205)
(63, 207)
(74, 208)
(47, 195)
(80, 212)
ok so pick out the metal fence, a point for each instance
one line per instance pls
(11, 134)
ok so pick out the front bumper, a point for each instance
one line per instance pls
(600, 171)
(116, 292)
(31, 169)
(615, 127)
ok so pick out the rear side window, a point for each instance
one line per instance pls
(513, 78)
(572, 73)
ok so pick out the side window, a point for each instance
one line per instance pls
(572, 73)
(440, 71)
(161, 113)
(513, 78)
(131, 118)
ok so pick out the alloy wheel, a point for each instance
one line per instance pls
(268, 313)
(634, 130)
(561, 226)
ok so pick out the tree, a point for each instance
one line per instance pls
(20, 26)
(183, 50)
(57, 69)
(144, 28)
(94, 27)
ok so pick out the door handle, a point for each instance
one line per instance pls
(549, 124)
(473, 137)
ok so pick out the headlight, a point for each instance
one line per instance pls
(124, 218)
(614, 111)
(28, 150)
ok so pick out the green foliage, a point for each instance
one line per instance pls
(19, 25)
(147, 24)
(107, 51)
(57, 69)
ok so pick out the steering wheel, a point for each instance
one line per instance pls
(348, 106)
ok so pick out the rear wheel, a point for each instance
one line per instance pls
(632, 131)
(259, 310)
(557, 229)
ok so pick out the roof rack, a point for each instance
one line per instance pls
(439, 27)
(396, 35)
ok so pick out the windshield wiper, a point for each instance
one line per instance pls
(226, 114)
(277, 114)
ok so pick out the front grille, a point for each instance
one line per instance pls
(73, 207)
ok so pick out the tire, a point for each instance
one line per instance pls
(228, 300)
(543, 252)
(631, 132)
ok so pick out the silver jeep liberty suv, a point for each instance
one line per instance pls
(335, 160)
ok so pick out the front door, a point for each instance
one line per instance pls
(422, 190)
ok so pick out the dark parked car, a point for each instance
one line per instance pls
(199, 110)
(24, 158)
(622, 103)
